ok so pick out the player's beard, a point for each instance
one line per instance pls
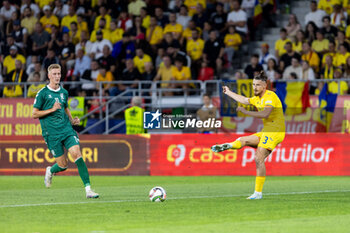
(257, 93)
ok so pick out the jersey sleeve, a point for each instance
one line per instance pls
(39, 100)
(270, 101)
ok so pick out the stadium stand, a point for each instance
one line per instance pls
(169, 52)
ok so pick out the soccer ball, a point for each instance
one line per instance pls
(157, 194)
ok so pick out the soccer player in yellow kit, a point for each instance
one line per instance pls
(270, 110)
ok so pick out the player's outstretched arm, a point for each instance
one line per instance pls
(41, 113)
(239, 98)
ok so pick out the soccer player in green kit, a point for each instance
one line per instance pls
(51, 107)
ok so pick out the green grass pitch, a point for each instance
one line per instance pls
(194, 204)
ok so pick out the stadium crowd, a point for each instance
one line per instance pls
(106, 40)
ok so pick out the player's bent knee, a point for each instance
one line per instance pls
(259, 160)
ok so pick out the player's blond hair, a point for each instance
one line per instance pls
(53, 66)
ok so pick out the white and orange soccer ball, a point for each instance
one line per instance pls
(157, 194)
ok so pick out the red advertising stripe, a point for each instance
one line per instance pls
(299, 154)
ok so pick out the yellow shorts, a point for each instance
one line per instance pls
(269, 140)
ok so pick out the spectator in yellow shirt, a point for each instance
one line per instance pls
(327, 5)
(342, 56)
(49, 19)
(331, 52)
(232, 42)
(74, 33)
(192, 4)
(82, 25)
(320, 45)
(103, 14)
(181, 73)
(154, 34)
(140, 59)
(310, 56)
(146, 19)
(333, 87)
(104, 76)
(35, 87)
(187, 33)
(17, 75)
(68, 19)
(43, 3)
(10, 60)
(328, 69)
(280, 43)
(165, 73)
(115, 34)
(102, 28)
(29, 20)
(173, 27)
(195, 46)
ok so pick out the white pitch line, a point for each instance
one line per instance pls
(171, 198)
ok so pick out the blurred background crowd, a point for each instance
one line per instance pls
(111, 40)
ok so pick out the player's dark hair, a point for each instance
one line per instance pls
(283, 30)
(261, 76)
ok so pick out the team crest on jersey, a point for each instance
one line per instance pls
(50, 96)
(62, 97)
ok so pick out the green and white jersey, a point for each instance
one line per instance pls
(55, 123)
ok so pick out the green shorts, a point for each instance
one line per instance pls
(57, 142)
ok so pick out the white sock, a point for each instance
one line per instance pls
(258, 192)
(88, 188)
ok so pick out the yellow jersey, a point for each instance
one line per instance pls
(42, 3)
(67, 20)
(146, 22)
(333, 55)
(177, 28)
(108, 19)
(327, 5)
(195, 48)
(298, 47)
(165, 74)
(105, 35)
(191, 5)
(116, 35)
(233, 40)
(333, 87)
(157, 35)
(279, 46)
(183, 74)
(275, 122)
(312, 58)
(48, 22)
(140, 62)
(9, 62)
(187, 33)
(341, 59)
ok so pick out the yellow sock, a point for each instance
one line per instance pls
(259, 183)
(236, 144)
